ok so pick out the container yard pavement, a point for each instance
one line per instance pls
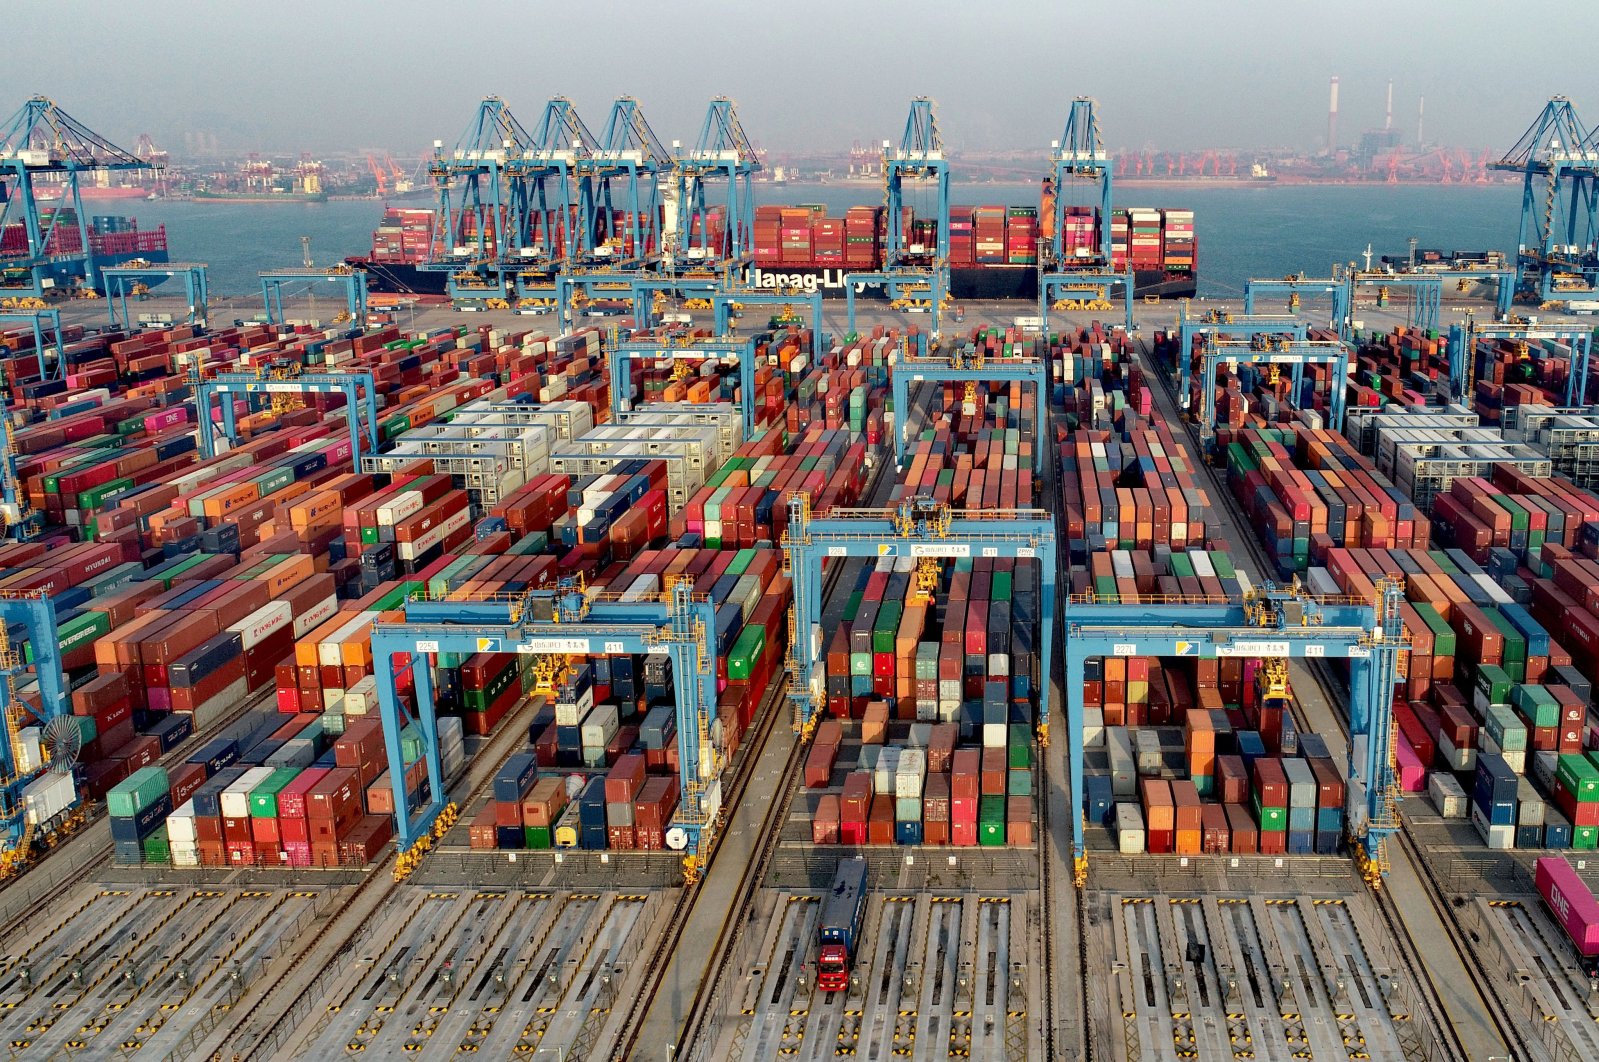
(714, 897)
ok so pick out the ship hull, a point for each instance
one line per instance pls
(978, 284)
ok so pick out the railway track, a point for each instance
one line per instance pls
(75, 846)
(372, 894)
(1331, 689)
(771, 835)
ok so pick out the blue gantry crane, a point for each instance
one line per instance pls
(1462, 353)
(727, 302)
(1558, 158)
(26, 753)
(44, 144)
(626, 170)
(551, 182)
(358, 388)
(575, 288)
(651, 292)
(966, 365)
(1079, 157)
(722, 152)
(477, 210)
(561, 622)
(19, 520)
(1269, 349)
(46, 325)
(915, 275)
(1269, 623)
(1335, 288)
(1223, 323)
(1069, 279)
(348, 282)
(134, 278)
(929, 531)
(684, 348)
(1427, 293)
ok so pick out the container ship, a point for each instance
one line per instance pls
(115, 239)
(993, 250)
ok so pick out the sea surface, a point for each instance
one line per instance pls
(1243, 232)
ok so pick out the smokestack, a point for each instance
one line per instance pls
(1421, 116)
(1388, 122)
(1332, 120)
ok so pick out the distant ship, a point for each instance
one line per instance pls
(113, 238)
(993, 250)
(52, 193)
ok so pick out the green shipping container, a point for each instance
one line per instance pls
(264, 797)
(537, 836)
(1492, 684)
(1579, 775)
(157, 849)
(1274, 819)
(991, 821)
(137, 791)
(95, 497)
(747, 651)
(1443, 635)
(76, 633)
(1019, 782)
(1585, 838)
(410, 744)
(887, 626)
(1536, 705)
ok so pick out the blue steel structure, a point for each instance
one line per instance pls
(1079, 155)
(19, 519)
(1074, 281)
(970, 368)
(684, 347)
(351, 282)
(1427, 288)
(1089, 287)
(358, 388)
(911, 272)
(1221, 323)
(647, 288)
(724, 301)
(41, 140)
(1463, 340)
(471, 182)
(1274, 622)
(1263, 349)
(926, 530)
(37, 319)
(35, 613)
(121, 281)
(722, 152)
(682, 624)
(1336, 289)
(1558, 158)
(551, 181)
(1504, 281)
(573, 289)
(631, 156)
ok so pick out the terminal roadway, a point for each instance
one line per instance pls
(1464, 1006)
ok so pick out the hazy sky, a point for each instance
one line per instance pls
(291, 75)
